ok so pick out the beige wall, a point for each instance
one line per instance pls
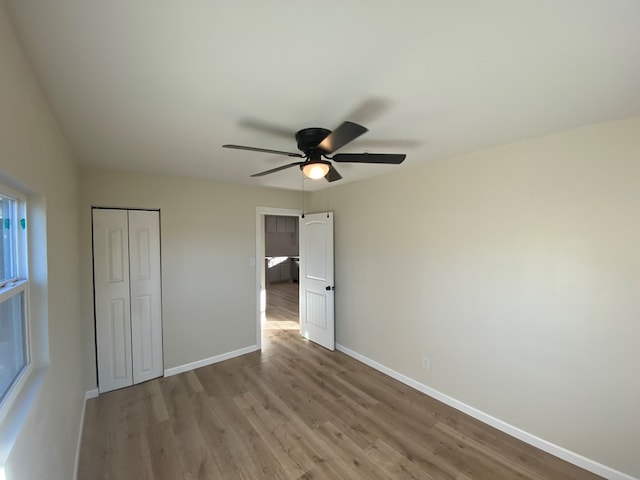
(517, 271)
(207, 240)
(34, 159)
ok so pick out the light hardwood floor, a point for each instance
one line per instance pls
(295, 411)
(282, 307)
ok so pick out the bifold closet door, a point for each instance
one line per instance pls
(145, 287)
(112, 298)
(127, 292)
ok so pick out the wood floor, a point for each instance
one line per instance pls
(295, 411)
(282, 307)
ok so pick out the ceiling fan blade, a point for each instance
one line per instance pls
(264, 150)
(390, 158)
(342, 135)
(265, 127)
(277, 169)
(369, 109)
(333, 175)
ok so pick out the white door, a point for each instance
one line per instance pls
(126, 250)
(112, 304)
(316, 279)
(145, 286)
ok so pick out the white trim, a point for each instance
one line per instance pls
(89, 394)
(260, 275)
(209, 361)
(10, 192)
(11, 289)
(12, 424)
(544, 445)
(13, 394)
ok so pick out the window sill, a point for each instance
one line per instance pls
(8, 289)
(18, 412)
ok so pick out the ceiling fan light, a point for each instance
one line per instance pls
(315, 171)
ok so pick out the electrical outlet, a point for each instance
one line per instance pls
(426, 363)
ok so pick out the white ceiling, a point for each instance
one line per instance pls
(160, 85)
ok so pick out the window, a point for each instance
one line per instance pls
(14, 338)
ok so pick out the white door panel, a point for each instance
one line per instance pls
(117, 342)
(316, 279)
(111, 277)
(146, 305)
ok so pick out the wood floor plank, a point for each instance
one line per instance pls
(350, 455)
(295, 411)
(215, 434)
(277, 435)
(132, 458)
(154, 404)
(164, 450)
(245, 443)
(394, 463)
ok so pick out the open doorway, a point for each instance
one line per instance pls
(282, 267)
(277, 262)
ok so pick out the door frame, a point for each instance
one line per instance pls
(258, 260)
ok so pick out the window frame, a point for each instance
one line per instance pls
(14, 286)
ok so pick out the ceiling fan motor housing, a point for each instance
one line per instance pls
(309, 138)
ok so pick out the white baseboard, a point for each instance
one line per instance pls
(209, 361)
(560, 452)
(87, 395)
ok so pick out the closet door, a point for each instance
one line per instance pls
(112, 305)
(127, 292)
(146, 304)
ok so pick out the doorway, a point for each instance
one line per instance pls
(316, 320)
(277, 267)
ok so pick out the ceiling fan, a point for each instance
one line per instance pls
(317, 143)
